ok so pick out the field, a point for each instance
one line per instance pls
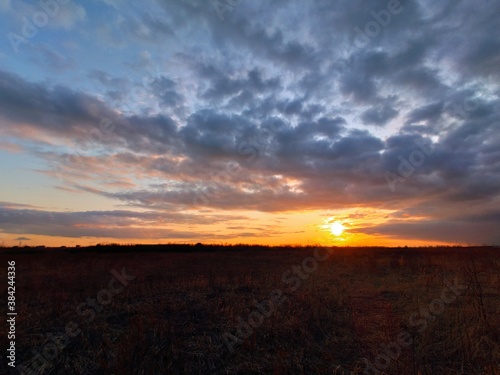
(255, 310)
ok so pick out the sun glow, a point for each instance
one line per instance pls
(337, 228)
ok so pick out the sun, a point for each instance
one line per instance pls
(337, 228)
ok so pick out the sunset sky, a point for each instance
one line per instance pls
(345, 122)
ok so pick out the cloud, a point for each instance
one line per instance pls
(379, 116)
(317, 153)
(429, 112)
(434, 230)
(116, 224)
(273, 109)
(165, 90)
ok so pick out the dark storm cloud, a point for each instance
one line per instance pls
(244, 31)
(485, 56)
(314, 152)
(429, 112)
(212, 134)
(379, 116)
(360, 88)
(290, 107)
(221, 85)
(421, 80)
(56, 109)
(77, 116)
(165, 89)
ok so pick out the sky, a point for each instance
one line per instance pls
(341, 122)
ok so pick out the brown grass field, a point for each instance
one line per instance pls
(206, 310)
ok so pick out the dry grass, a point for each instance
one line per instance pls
(172, 317)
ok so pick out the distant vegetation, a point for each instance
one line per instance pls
(175, 247)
